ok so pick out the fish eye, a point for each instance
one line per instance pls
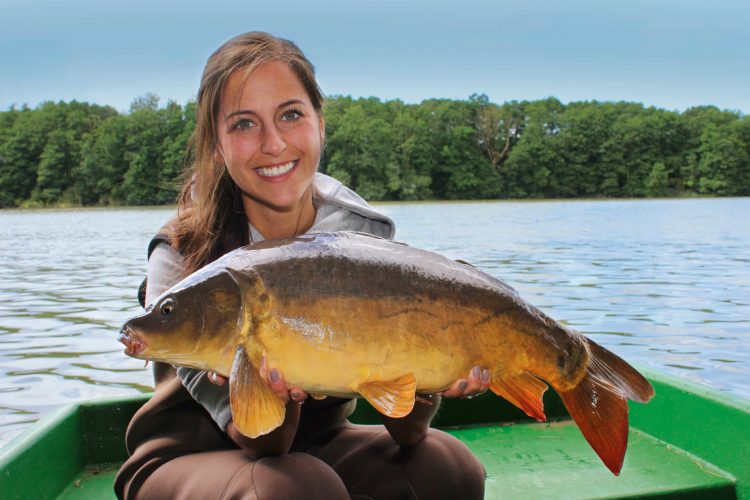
(166, 307)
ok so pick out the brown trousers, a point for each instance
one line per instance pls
(177, 452)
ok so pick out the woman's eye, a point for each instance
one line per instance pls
(243, 124)
(167, 307)
(291, 115)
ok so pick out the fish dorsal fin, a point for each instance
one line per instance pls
(393, 398)
(523, 390)
(256, 409)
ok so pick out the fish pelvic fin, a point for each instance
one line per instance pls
(256, 409)
(393, 398)
(599, 404)
(523, 390)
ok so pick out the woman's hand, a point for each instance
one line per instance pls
(412, 428)
(275, 380)
(477, 383)
(278, 441)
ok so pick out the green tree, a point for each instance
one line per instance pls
(498, 128)
(363, 150)
(54, 169)
(657, 183)
(178, 126)
(103, 165)
(724, 161)
(19, 157)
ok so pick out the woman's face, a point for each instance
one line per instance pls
(269, 137)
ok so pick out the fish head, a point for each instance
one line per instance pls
(196, 323)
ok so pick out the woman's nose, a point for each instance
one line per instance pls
(272, 142)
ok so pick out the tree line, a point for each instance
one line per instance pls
(74, 153)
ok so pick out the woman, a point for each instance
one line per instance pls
(257, 145)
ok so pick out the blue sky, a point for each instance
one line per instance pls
(666, 53)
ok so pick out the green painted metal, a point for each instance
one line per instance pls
(92, 483)
(554, 461)
(40, 462)
(74, 453)
(105, 423)
(704, 422)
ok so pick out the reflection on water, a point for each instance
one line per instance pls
(662, 283)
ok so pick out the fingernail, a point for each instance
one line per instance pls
(297, 396)
(485, 376)
(476, 372)
(274, 375)
(462, 385)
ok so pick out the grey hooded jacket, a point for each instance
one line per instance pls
(338, 209)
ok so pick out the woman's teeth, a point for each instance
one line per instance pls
(277, 170)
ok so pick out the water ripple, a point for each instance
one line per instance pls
(662, 283)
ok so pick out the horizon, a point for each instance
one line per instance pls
(672, 55)
(163, 103)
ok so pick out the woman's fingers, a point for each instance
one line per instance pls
(477, 383)
(298, 395)
(457, 389)
(275, 380)
(486, 379)
(217, 379)
(278, 384)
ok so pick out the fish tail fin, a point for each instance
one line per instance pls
(599, 403)
(523, 390)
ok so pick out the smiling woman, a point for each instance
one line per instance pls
(257, 145)
(270, 139)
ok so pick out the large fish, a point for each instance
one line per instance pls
(348, 314)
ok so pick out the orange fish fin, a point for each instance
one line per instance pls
(523, 390)
(256, 409)
(611, 369)
(393, 398)
(602, 417)
(599, 403)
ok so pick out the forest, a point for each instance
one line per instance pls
(81, 154)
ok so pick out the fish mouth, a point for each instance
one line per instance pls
(134, 343)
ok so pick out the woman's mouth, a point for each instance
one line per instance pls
(276, 170)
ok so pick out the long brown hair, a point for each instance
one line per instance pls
(211, 220)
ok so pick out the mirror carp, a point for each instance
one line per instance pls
(352, 315)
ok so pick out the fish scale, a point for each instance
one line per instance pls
(352, 315)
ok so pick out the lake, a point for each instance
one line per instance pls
(663, 283)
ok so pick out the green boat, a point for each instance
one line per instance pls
(688, 442)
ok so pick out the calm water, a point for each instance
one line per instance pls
(665, 284)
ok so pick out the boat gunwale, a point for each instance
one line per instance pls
(713, 431)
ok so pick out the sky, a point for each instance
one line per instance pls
(672, 54)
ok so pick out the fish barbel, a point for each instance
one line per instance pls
(352, 315)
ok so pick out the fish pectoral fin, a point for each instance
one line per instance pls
(256, 409)
(523, 390)
(393, 398)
